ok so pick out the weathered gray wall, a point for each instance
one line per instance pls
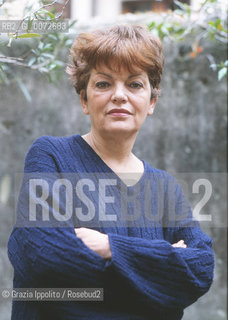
(187, 134)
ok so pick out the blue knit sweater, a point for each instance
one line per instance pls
(146, 278)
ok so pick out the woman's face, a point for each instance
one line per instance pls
(117, 103)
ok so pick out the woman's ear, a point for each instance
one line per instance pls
(152, 106)
(83, 100)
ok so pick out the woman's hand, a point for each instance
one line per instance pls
(96, 241)
(180, 244)
(99, 242)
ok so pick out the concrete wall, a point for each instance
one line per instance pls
(186, 134)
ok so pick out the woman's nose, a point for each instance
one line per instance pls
(119, 94)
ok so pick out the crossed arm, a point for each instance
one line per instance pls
(99, 242)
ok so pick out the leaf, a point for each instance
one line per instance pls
(52, 66)
(184, 7)
(211, 23)
(29, 24)
(213, 66)
(53, 37)
(217, 23)
(72, 24)
(41, 13)
(10, 41)
(41, 45)
(47, 47)
(47, 55)
(40, 59)
(212, 36)
(31, 61)
(152, 25)
(29, 35)
(164, 30)
(2, 68)
(222, 73)
(51, 15)
(4, 78)
(3, 75)
(36, 52)
(24, 90)
(69, 42)
(56, 64)
(43, 69)
(179, 12)
(59, 63)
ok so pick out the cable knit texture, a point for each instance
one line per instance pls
(146, 278)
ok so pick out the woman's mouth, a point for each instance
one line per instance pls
(119, 112)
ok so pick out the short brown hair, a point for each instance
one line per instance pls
(127, 46)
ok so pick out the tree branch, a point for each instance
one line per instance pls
(16, 61)
(42, 7)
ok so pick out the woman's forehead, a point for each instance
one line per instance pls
(116, 70)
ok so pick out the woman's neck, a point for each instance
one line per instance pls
(115, 151)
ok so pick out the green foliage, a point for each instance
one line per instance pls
(44, 51)
(29, 35)
(206, 23)
(222, 70)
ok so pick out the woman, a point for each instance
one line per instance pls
(133, 233)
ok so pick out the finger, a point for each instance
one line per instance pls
(79, 232)
(179, 244)
(175, 245)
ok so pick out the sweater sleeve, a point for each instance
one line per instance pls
(163, 275)
(45, 253)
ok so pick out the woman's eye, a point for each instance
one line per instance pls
(136, 85)
(102, 84)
